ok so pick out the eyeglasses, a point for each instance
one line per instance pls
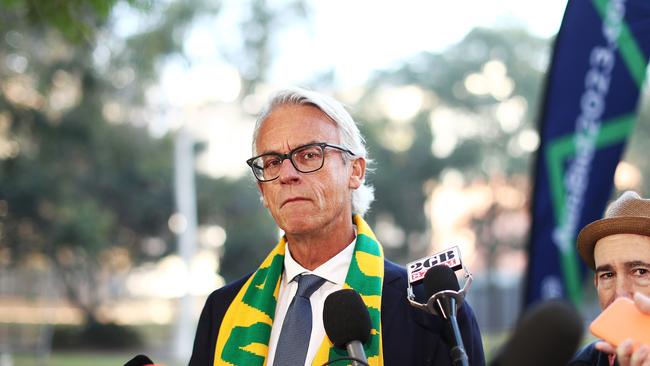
(306, 159)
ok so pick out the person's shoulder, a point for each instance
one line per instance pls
(394, 271)
(394, 276)
(588, 355)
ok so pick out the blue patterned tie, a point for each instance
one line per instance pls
(296, 329)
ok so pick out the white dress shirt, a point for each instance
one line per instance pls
(333, 271)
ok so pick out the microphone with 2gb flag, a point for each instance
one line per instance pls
(443, 293)
(347, 324)
(548, 334)
(445, 297)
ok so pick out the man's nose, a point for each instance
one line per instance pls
(624, 287)
(288, 173)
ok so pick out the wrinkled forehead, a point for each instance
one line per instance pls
(622, 248)
(331, 108)
(290, 126)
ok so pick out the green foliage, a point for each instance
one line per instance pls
(404, 178)
(144, 50)
(82, 184)
(235, 204)
(77, 20)
(80, 177)
(79, 184)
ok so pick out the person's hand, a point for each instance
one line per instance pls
(624, 353)
(642, 302)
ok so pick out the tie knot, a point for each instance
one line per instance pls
(307, 284)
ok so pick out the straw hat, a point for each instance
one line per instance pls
(629, 214)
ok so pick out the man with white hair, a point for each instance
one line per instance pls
(617, 248)
(310, 165)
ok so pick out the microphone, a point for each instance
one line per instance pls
(347, 323)
(418, 269)
(548, 334)
(139, 360)
(445, 297)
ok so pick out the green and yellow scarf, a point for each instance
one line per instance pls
(246, 328)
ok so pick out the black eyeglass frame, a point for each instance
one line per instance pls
(289, 155)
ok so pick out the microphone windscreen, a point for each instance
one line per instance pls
(548, 334)
(440, 278)
(346, 318)
(139, 360)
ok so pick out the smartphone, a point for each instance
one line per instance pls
(622, 320)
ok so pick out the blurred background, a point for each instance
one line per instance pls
(125, 125)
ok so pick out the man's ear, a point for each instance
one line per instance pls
(358, 173)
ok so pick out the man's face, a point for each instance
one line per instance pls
(303, 202)
(622, 267)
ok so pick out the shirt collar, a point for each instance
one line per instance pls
(334, 270)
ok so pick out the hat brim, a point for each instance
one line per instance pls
(599, 229)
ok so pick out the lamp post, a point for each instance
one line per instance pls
(180, 104)
(188, 92)
(185, 196)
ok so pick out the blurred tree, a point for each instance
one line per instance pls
(251, 232)
(472, 109)
(83, 185)
(80, 190)
(76, 19)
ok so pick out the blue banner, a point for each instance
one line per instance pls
(597, 70)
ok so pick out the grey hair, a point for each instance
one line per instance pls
(349, 133)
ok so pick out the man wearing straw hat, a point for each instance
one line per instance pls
(617, 248)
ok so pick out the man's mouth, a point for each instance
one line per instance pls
(293, 199)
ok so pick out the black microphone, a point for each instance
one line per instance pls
(441, 286)
(139, 360)
(347, 323)
(548, 334)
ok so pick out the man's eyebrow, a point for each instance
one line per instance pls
(628, 265)
(269, 152)
(633, 264)
(280, 153)
(604, 268)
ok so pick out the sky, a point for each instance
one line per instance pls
(351, 38)
(358, 37)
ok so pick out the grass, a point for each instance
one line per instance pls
(85, 358)
(79, 358)
(491, 343)
(72, 359)
(25, 336)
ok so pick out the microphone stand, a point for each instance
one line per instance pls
(356, 352)
(446, 303)
(449, 310)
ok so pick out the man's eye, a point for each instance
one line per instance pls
(270, 163)
(606, 275)
(640, 271)
(310, 155)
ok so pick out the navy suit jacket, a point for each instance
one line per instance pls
(409, 335)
